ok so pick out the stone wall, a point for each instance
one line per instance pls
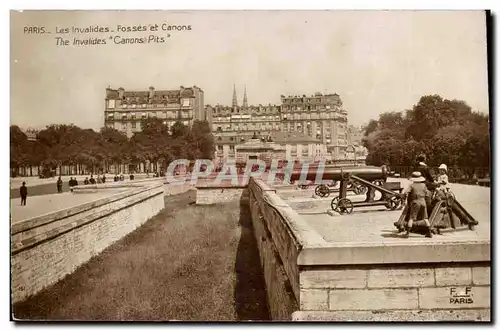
(173, 189)
(310, 279)
(213, 195)
(275, 224)
(282, 301)
(47, 248)
(431, 289)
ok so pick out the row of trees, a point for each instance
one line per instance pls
(69, 145)
(447, 131)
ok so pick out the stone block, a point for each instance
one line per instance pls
(367, 299)
(400, 277)
(313, 299)
(481, 276)
(453, 276)
(333, 279)
(414, 315)
(451, 297)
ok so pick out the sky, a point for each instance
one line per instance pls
(377, 61)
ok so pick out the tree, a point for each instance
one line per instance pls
(447, 131)
(19, 149)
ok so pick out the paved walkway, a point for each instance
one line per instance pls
(33, 181)
(44, 204)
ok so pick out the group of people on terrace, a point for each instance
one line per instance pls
(422, 190)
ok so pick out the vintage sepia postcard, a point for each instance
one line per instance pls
(256, 165)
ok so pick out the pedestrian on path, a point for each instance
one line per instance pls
(59, 185)
(24, 193)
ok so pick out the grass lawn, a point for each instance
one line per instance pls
(191, 263)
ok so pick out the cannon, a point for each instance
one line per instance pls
(373, 178)
(324, 190)
(445, 214)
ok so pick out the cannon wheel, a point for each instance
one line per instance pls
(394, 202)
(322, 191)
(360, 189)
(332, 184)
(363, 189)
(334, 203)
(344, 206)
(356, 189)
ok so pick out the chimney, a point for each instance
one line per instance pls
(121, 90)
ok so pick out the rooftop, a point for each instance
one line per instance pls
(277, 137)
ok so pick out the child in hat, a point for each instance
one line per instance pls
(443, 177)
(417, 192)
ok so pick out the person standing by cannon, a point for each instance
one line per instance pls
(417, 193)
(422, 167)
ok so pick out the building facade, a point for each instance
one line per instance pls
(355, 135)
(241, 122)
(124, 110)
(283, 146)
(318, 116)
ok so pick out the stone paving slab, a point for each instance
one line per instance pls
(43, 204)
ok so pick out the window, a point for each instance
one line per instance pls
(143, 115)
(124, 126)
(111, 103)
(134, 125)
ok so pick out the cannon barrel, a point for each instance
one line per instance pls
(338, 173)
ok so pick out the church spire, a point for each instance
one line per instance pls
(235, 99)
(245, 101)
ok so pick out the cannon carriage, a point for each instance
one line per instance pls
(371, 178)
